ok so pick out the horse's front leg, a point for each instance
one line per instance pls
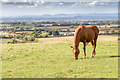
(94, 46)
(84, 48)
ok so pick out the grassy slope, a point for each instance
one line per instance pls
(55, 60)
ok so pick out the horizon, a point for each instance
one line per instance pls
(64, 14)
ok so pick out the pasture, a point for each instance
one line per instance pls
(53, 58)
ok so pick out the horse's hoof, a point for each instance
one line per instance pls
(92, 56)
(76, 58)
(85, 57)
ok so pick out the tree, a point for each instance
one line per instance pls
(71, 26)
(68, 30)
(106, 31)
(50, 32)
(55, 33)
(36, 35)
(21, 29)
(112, 31)
(30, 38)
(27, 28)
(39, 31)
(14, 41)
(17, 36)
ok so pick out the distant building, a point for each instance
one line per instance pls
(47, 25)
(101, 32)
(67, 33)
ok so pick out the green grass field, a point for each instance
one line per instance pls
(56, 60)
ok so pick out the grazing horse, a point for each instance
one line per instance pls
(85, 34)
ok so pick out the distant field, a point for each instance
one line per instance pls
(53, 58)
(70, 39)
(5, 40)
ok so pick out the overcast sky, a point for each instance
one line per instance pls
(12, 8)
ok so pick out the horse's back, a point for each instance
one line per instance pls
(88, 33)
(92, 32)
(94, 28)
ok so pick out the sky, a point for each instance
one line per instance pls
(59, 0)
(11, 8)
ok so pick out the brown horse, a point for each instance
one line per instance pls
(85, 34)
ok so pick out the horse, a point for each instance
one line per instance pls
(85, 35)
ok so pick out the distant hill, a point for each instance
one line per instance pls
(65, 16)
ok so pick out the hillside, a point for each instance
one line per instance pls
(90, 16)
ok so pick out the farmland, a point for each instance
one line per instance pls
(53, 58)
(24, 31)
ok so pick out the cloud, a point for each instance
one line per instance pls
(42, 2)
(30, 6)
(60, 3)
(20, 6)
(35, 4)
(75, 4)
(24, 1)
(93, 3)
(4, 0)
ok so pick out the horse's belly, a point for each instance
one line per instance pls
(90, 37)
(89, 40)
(86, 39)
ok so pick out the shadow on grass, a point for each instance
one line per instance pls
(115, 56)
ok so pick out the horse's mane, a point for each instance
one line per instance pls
(76, 42)
(79, 28)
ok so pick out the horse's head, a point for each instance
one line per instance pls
(75, 52)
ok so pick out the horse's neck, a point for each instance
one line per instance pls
(76, 43)
(76, 40)
(77, 36)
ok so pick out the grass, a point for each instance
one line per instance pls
(5, 40)
(70, 39)
(56, 60)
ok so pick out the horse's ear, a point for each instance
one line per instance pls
(81, 25)
(71, 46)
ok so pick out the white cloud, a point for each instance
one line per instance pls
(42, 2)
(93, 3)
(30, 6)
(35, 4)
(60, 3)
(24, 0)
(20, 6)
(75, 4)
(29, 0)
(102, 3)
(5, 0)
(37, 1)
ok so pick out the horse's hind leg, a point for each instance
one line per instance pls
(94, 46)
(84, 49)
